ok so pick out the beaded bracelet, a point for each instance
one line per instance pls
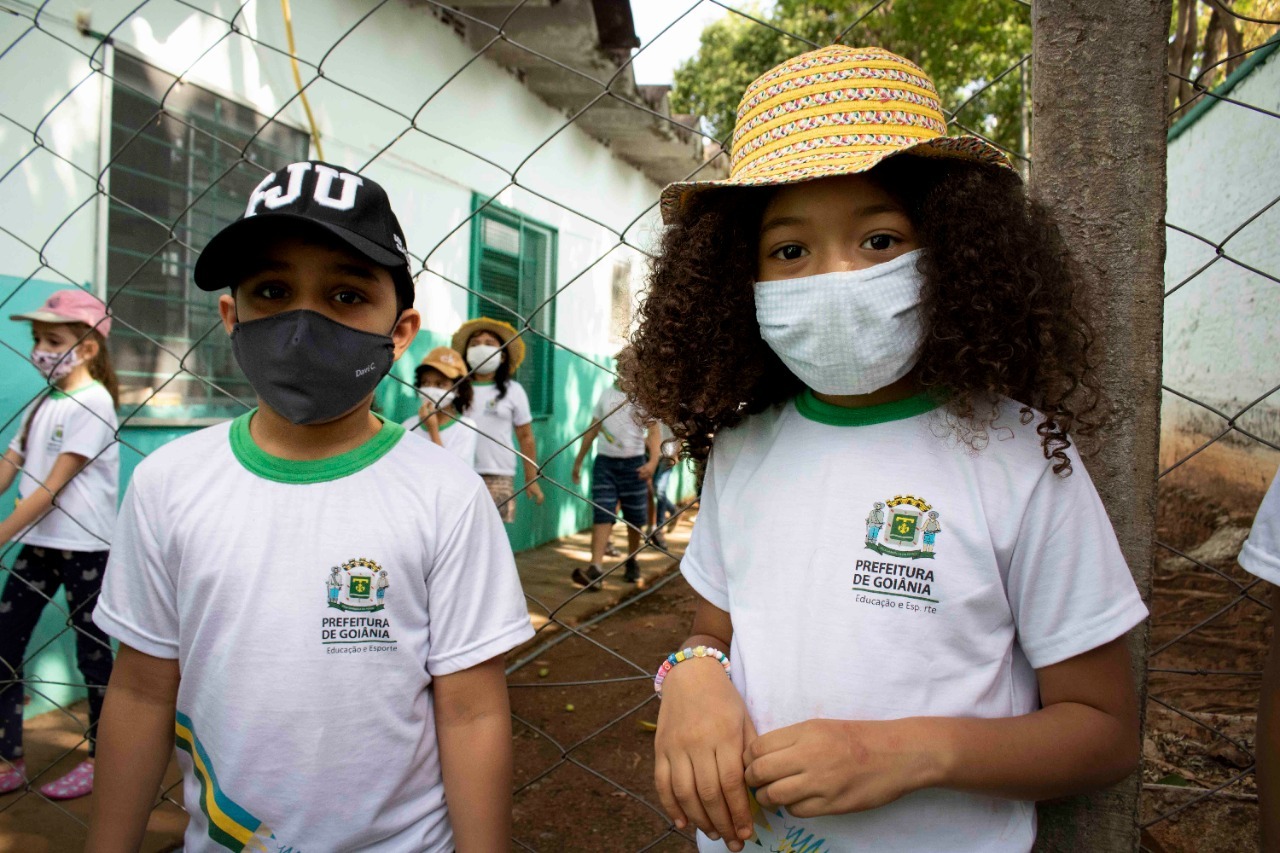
(686, 654)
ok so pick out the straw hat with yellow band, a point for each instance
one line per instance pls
(511, 340)
(835, 111)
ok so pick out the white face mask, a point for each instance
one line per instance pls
(850, 332)
(478, 354)
(441, 398)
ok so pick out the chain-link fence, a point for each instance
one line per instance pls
(1219, 432)
(524, 159)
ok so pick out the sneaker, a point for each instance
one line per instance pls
(592, 578)
(660, 539)
(13, 775)
(77, 783)
(611, 550)
(632, 574)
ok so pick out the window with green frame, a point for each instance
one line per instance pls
(180, 171)
(513, 261)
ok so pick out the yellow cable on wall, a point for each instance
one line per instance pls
(297, 77)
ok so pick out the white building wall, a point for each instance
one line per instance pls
(1222, 328)
(386, 106)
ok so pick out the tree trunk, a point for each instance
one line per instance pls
(1186, 92)
(1211, 51)
(1099, 165)
(1186, 12)
(1235, 40)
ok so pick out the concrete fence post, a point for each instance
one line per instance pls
(1098, 152)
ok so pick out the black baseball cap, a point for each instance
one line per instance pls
(348, 206)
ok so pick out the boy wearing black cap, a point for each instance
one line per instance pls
(336, 600)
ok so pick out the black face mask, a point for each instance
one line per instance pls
(309, 368)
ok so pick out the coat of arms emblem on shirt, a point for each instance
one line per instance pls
(358, 585)
(905, 526)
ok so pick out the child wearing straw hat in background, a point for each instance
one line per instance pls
(494, 351)
(872, 314)
(442, 381)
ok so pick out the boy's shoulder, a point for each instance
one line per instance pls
(425, 463)
(201, 448)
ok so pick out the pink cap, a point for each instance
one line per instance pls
(71, 306)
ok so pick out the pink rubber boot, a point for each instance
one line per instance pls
(77, 783)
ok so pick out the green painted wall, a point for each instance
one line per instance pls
(577, 382)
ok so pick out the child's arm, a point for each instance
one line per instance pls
(653, 444)
(34, 507)
(473, 726)
(135, 740)
(1267, 742)
(703, 729)
(529, 450)
(12, 463)
(588, 438)
(429, 418)
(1084, 737)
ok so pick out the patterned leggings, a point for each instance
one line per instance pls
(37, 573)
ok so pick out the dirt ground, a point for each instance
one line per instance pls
(572, 739)
(1210, 675)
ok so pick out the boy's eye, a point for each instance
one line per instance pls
(789, 252)
(350, 297)
(268, 290)
(879, 242)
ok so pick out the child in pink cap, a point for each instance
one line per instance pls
(66, 446)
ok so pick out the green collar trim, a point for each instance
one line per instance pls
(448, 422)
(477, 382)
(59, 394)
(301, 472)
(832, 415)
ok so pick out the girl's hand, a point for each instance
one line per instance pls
(577, 473)
(535, 491)
(826, 767)
(429, 414)
(703, 728)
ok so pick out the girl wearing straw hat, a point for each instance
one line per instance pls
(494, 350)
(871, 314)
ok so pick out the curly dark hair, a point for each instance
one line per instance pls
(1002, 311)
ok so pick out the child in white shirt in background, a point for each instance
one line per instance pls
(66, 447)
(441, 379)
(494, 351)
(624, 467)
(1261, 557)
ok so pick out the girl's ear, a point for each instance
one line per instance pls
(88, 348)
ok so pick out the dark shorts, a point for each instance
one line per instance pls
(616, 481)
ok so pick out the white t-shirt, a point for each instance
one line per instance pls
(309, 606)
(458, 435)
(621, 425)
(876, 570)
(497, 419)
(82, 422)
(1260, 555)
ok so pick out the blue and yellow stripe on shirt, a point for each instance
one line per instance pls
(229, 823)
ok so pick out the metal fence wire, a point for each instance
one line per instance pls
(131, 132)
(1219, 436)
